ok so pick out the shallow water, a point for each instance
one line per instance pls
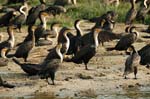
(129, 93)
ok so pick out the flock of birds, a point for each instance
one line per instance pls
(80, 47)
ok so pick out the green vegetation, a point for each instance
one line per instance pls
(88, 9)
(93, 8)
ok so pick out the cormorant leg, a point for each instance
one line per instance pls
(19, 27)
(147, 66)
(135, 72)
(49, 82)
(25, 59)
(125, 77)
(143, 20)
(102, 43)
(86, 68)
(52, 75)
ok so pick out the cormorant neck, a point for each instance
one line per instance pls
(43, 22)
(59, 53)
(55, 29)
(67, 41)
(133, 4)
(79, 31)
(135, 32)
(96, 39)
(33, 38)
(11, 38)
(23, 12)
(3, 53)
(145, 3)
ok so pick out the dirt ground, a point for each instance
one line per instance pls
(72, 80)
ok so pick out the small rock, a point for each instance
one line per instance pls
(75, 94)
(138, 84)
(130, 86)
(63, 89)
(84, 76)
(67, 78)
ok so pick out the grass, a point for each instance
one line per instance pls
(88, 9)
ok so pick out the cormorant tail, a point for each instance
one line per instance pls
(16, 61)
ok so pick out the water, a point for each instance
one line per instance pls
(129, 93)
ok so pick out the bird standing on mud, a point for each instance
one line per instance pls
(25, 47)
(132, 63)
(51, 64)
(87, 51)
(9, 43)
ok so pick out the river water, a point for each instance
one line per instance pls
(131, 93)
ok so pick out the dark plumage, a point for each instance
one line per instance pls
(53, 32)
(103, 36)
(15, 1)
(30, 69)
(51, 64)
(132, 63)
(141, 14)
(34, 13)
(126, 41)
(24, 49)
(106, 21)
(131, 14)
(64, 40)
(75, 40)
(5, 19)
(20, 20)
(145, 55)
(40, 31)
(87, 51)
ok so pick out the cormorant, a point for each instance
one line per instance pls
(34, 13)
(87, 51)
(131, 14)
(25, 47)
(30, 69)
(126, 41)
(20, 20)
(132, 63)
(10, 42)
(5, 19)
(145, 55)
(51, 64)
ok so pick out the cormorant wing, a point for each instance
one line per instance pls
(105, 36)
(83, 51)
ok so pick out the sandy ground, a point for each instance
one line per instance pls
(103, 78)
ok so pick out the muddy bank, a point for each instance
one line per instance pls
(103, 80)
